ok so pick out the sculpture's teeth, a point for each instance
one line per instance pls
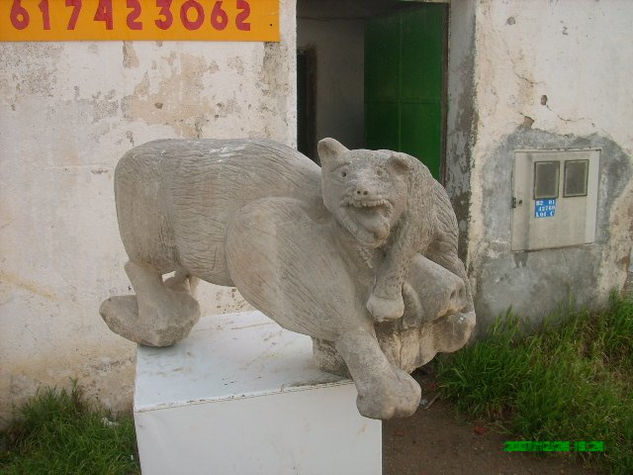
(365, 203)
(370, 204)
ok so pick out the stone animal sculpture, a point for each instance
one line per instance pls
(328, 253)
(389, 200)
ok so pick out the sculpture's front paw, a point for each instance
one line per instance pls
(162, 323)
(396, 396)
(383, 309)
(121, 314)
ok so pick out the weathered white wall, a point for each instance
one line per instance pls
(461, 116)
(577, 53)
(68, 111)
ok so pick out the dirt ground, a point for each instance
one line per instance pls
(435, 441)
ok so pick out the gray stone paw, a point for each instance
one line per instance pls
(396, 396)
(383, 309)
(121, 315)
(160, 329)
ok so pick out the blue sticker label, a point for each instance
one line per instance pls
(545, 208)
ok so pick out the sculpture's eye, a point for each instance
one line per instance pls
(379, 172)
(341, 171)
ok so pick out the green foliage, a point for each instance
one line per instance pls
(59, 432)
(570, 380)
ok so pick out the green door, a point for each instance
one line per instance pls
(404, 83)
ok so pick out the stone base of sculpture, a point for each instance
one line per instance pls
(361, 256)
(241, 396)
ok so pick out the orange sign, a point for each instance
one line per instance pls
(206, 20)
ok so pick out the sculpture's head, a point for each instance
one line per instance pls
(365, 190)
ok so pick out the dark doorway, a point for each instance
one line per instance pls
(306, 102)
(379, 75)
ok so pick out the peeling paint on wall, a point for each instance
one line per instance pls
(462, 115)
(177, 100)
(32, 72)
(547, 76)
(536, 282)
(68, 112)
(130, 60)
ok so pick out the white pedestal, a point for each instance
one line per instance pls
(241, 395)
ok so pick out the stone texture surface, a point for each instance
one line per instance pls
(361, 255)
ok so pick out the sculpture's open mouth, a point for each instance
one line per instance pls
(368, 220)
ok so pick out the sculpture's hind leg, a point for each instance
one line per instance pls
(384, 391)
(183, 281)
(160, 314)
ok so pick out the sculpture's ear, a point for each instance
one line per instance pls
(330, 151)
(401, 162)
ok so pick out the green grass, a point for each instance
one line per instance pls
(58, 432)
(571, 380)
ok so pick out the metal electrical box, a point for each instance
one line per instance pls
(555, 198)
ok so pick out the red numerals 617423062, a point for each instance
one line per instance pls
(191, 13)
